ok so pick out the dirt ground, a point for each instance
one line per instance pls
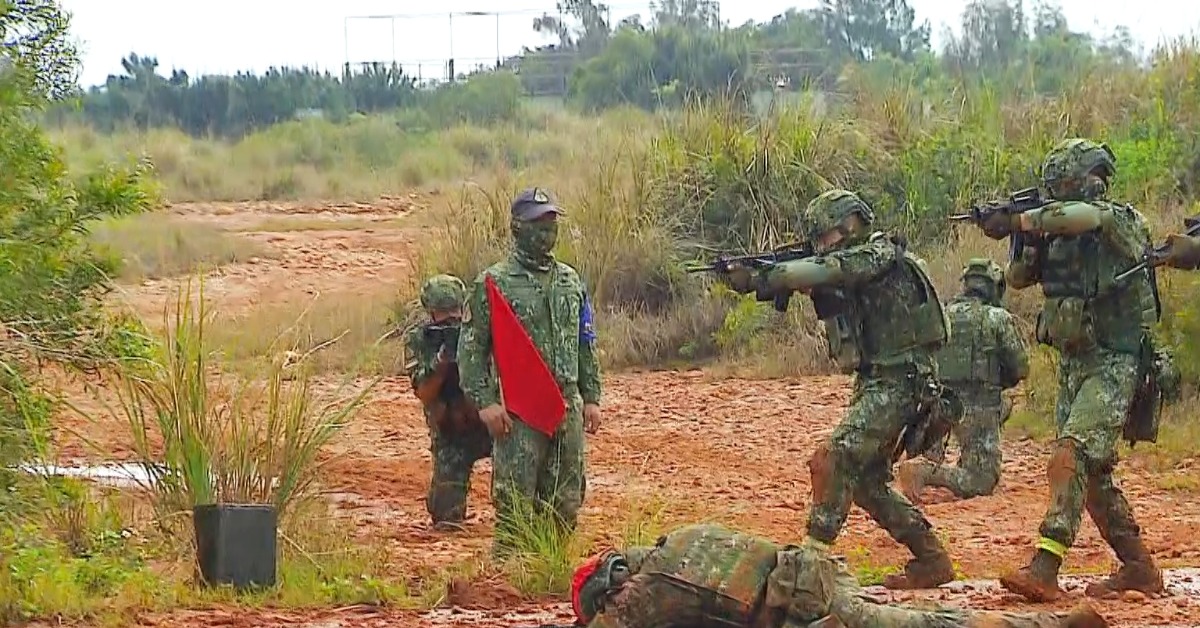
(691, 445)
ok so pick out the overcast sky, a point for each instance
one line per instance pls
(222, 36)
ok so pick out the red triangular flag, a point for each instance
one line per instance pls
(526, 383)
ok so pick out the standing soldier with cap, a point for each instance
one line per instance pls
(457, 437)
(984, 357)
(529, 361)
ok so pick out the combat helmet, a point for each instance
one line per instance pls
(988, 270)
(443, 292)
(828, 211)
(1070, 162)
(592, 581)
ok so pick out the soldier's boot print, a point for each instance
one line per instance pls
(930, 567)
(912, 477)
(1138, 571)
(1037, 581)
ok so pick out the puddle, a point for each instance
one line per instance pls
(114, 474)
(123, 474)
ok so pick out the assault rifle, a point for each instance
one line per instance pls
(1157, 256)
(725, 264)
(1019, 202)
(444, 335)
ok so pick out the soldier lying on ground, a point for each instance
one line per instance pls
(705, 575)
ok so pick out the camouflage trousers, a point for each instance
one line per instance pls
(534, 473)
(855, 612)
(651, 601)
(977, 471)
(1095, 391)
(855, 464)
(454, 456)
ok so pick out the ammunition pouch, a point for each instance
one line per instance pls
(1158, 382)
(842, 335)
(1066, 324)
(843, 339)
(939, 410)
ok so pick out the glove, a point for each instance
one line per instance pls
(999, 225)
(1183, 251)
(741, 279)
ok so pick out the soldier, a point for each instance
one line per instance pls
(883, 322)
(984, 357)
(1075, 248)
(552, 305)
(457, 438)
(707, 575)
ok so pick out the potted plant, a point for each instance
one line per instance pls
(236, 452)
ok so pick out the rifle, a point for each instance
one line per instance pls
(444, 335)
(1157, 256)
(1018, 202)
(724, 264)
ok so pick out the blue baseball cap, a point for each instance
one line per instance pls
(533, 203)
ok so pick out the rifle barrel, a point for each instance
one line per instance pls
(1138, 267)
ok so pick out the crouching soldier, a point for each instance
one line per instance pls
(984, 357)
(707, 575)
(457, 436)
(703, 575)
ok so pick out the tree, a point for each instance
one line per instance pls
(863, 29)
(994, 35)
(51, 280)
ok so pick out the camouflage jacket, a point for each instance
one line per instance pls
(884, 311)
(985, 353)
(554, 309)
(1085, 307)
(724, 573)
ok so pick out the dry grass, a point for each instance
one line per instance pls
(154, 246)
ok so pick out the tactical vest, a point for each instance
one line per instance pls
(1084, 305)
(726, 570)
(886, 321)
(970, 358)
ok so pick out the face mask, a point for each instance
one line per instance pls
(535, 239)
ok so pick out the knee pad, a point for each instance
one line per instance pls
(820, 470)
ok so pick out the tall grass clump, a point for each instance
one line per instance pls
(205, 438)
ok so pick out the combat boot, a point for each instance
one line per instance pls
(1038, 581)
(912, 477)
(930, 568)
(1138, 571)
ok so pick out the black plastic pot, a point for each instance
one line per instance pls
(235, 544)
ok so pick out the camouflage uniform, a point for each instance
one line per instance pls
(552, 304)
(883, 322)
(1078, 244)
(457, 438)
(984, 357)
(707, 575)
